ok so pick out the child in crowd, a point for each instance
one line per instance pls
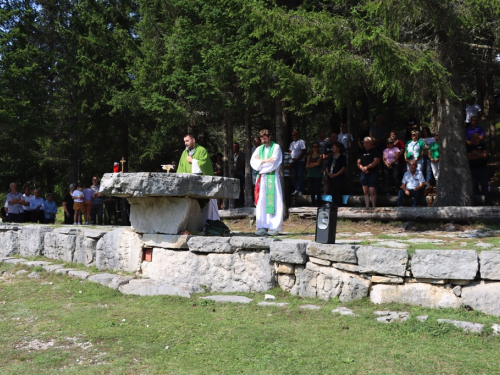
(78, 204)
(88, 195)
(50, 210)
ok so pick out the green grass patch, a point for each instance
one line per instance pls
(96, 330)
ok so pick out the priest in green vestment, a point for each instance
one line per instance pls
(195, 160)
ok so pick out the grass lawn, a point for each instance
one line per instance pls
(55, 324)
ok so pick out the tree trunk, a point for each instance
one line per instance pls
(228, 152)
(73, 168)
(281, 120)
(248, 155)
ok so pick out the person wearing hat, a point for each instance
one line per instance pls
(116, 167)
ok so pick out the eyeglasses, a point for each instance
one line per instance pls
(315, 146)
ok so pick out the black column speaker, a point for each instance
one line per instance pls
(326, 224)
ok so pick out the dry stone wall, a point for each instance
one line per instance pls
(431, 278)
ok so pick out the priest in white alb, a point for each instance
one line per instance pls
(266, 160)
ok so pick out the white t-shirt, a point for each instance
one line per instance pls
(471, 110)
(413, 148)
(411, 182)
(78, 195)
(27, 199)
(296, 147)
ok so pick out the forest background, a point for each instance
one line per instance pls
(84, 83)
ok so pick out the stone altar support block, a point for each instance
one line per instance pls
(165, 215)
(147, 184)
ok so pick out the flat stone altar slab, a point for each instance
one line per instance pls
(146, 184)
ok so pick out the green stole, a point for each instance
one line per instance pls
(269, 179)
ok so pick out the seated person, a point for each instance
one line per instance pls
(412, 185)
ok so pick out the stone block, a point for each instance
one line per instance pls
(484, 297)
(387, 280)
(120, 249)
(63, 271)
(60, 246)
(166, 241)
(80, 274)
(419, 294)
(286, 282)
(145, 287)
(118, 281)
(243, 242)
(327, 282)
(348, 267)
(52, 267)
(289, 251)
(333, 252)
(165, 215)
(431, 281)
(286, 268)
(321, 262)
(243, 271)
(37, 263)
(9, 243)
(210, 244)
(15, 261)
(490, 265)
(31, 239)
(85, 251)
(102, 278)
(382, 261)
(445, 264)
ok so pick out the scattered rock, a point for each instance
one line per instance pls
(496, 329)
(278, 304)
(363, 234)
(392, 316)
(63, 271)
(484, 245)
(52, 267)
(119, 281)
(457, 290)
(408, 226)
(449, 227)
(269, 297)
(310, 307)
(422, 318)
(102, 278)
(234, 299)
(145, 287)
(465, 326)
(343, 311)
(14, 260)
(34, 275)
(80, 274)
(20, 272)
(37, 263)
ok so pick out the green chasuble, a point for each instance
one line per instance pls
(269, 178)
(200, 154)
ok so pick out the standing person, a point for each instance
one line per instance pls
(401, 161)
(379, 134)
(363, 133)
(97, 203)
(256, 143)
(367, 162)
(239, 172)
(391, 166)
(474, 128)
(324, 145)
(428, 139)
(287, 177)
(434, 156)
(14, 200)
(472, 109)
(67, 203)
(334, 138)
(88, 195)
(412, 185)
(50, 210)
(297, 150)
(313, 166)
(269, 211)
(344, 137)
(27, 197)
(36, 208)
(335, 170)
(195, 159)
(477, 153)
(77, 204)
(414, 150)
(412, 124)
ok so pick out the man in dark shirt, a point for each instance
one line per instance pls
(477, 155)
(411, 124)
(363, 133)
(367, 162)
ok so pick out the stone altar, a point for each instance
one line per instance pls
(167, 203)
